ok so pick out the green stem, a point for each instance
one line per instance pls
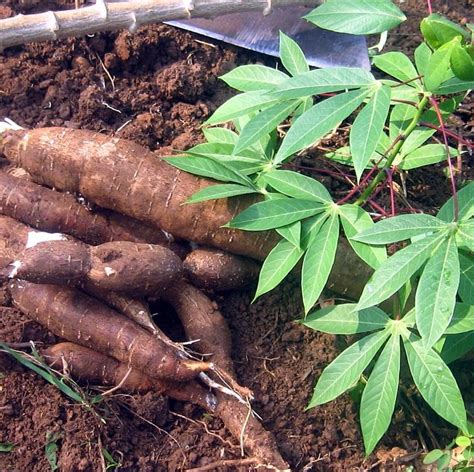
(396, 146)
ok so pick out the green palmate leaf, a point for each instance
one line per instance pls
(438, 30)
(240, 105)
(220, 135)
(320, 81)
(380, 393)
(310, 229)
(466, 282)
(462, 320)
(397, 65)
(346, 369)
(292, 56)
(367, 128)
(291, 233)
(278, 264)
(253, 77)
(416, 139)
(396, 270)
(433, 456)
(357, 16)
(422, 56)
(219, 191)
(436, 294)
(318, 261)
(274, 213)
(318, 121)
(400, 118)
(454, 85)
(206, 167)
(466, 205)
(354, 220)
(400, 228)
(345, 319)
(456, 346)
(437, 70)
(264, 122)
(297, 185)
(435, 382)
(426, 155)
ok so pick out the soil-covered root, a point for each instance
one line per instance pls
(86, 365)
(219, 270)
(52, 211)
(119, 266)
(78, 318)
(123, 176)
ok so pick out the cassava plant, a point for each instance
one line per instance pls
(394, 114)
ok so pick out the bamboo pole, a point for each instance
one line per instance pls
(105, 16)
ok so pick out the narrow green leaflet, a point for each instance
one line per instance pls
(357, 16)
(417, 138)
(380, 393)
(206, 167)
(6, 447)
(436, 293)
(438, 30)
(435, 382)
(318, 262)
(462, 63)
(466, 205)
(396, 270)
(282, 258)
(466, 282)
(264, 122)
(438, 69)
(462, 320)
(400, 118)
(367, 128)
(400, 228)
(292, 56)
(253, 77)
(422, 56)
(354, 220)
(291, 233)
(318, 121)
(345, 319)
(297, 185)
(240, 105)
(219, 191)
(274, 213)
(454, 85)
(426, 155)
(456, 346)
(346, 369)
(310, 228)
(220, 135)
(397, 65)
(465, 236)
(402, 91)
(319, 81)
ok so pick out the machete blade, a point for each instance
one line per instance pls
(254, 31)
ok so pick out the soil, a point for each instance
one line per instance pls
(156, 87)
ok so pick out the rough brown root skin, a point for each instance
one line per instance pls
(74, 316)
(202, 321)
(219, 270)
(123, 176)
(51, 211)
(92, 367)
(119, 266)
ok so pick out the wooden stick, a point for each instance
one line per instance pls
(105, 16)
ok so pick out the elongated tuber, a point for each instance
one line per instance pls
(74, 316)
(52, 211)
(123, 176)
(219, 270)
(93, 367)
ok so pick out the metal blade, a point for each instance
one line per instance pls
(260, 33)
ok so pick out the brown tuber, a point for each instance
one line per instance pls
(74, 316)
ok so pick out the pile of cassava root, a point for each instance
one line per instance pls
(91, 227)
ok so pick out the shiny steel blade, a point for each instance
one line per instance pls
(260, 33)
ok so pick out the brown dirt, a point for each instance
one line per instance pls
(156, 88)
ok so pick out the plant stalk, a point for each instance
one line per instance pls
(393, 154)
